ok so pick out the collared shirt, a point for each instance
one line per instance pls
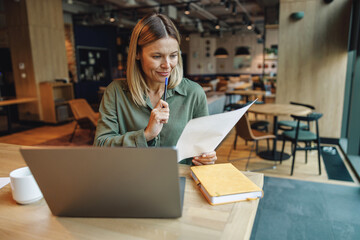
(122, 122)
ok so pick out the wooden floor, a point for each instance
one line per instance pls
(302, 171)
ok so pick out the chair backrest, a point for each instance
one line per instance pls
(243, 128)
(82, 110)
(222, 85)
(309, 118)
(303, 104)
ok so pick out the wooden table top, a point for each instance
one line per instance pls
(246, 92)
(200, 220)
(277, 109)
(16, 101)
(244, 86)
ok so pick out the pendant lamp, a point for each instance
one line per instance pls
(242, 51)
(221, 53)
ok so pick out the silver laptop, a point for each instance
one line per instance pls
(108, 182)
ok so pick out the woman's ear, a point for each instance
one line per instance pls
(137, 57)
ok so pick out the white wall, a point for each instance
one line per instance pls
(198, 63)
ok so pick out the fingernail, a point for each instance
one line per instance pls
(196, 158)
(204, 155)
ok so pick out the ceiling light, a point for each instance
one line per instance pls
(217, 25)
(221, 53)
(200, 26)
(112, 18)
(297, 15)
(227, 5)
(187, 9)
(249, 27)
(257, 32)
(242, 51)
(84, 21)
(234, 10)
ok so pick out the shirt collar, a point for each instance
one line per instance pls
(180, 89)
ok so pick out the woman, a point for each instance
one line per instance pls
(132, 112)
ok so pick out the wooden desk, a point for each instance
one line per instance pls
(275, 110)
(13, 101)
(199, 221)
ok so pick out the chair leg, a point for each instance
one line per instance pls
(233, 147)
(268, 144)
(252, 148)
(306, 152)
(293, 162)
(257, 147)
(319, 152)
(282, 151)
(73, 134)
(235, 140)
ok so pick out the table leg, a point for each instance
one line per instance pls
(274, 155)
(275, 130)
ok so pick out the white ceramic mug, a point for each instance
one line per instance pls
(24, 187)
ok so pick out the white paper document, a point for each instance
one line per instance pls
(4, 181)
(204, 134)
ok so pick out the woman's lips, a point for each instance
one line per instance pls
(163, 73)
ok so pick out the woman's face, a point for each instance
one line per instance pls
(158, 59)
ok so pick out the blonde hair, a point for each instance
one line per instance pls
(150, 29)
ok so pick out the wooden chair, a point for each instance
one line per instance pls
(222, 85)
(244, 131)
(299, 135)
(84, 116)
(259, 125)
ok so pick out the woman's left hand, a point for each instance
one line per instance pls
(205, 159)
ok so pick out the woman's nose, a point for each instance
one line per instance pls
(165, 63)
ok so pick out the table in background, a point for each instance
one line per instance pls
(275, 110)
(200, 220)
(244, 86)
(13, 101)
(246, 94)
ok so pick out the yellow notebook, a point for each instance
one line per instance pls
(224, 183)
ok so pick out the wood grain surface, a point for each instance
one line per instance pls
(199, 221)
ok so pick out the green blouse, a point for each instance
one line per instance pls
(122, 122)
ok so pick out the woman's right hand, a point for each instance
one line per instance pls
(159, 115)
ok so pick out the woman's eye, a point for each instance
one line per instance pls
(173, 56)
(156, 57)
